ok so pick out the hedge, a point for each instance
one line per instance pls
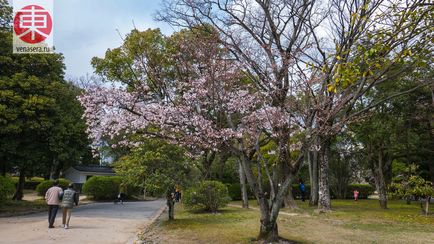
(235, 191)
(364, 191)
(7, 188)
(44, 185)
(208, 196)
(29, 184)
(102, 187)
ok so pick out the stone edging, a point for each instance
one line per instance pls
(135, 239)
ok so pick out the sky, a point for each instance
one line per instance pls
(87, 28)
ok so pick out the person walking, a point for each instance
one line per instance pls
(302, 189)
(70, 197)
(356, 195)
(52, 197)
(177, 195)
(120, 198)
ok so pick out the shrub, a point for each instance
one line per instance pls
(102, 187)
(15, 179)
(32, 183)
(44, 185)
(208, 195)
(234, 191)
(29, 183)
(6, 188)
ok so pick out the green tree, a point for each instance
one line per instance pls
(396, 130)
(40, 118)
(414, 186)
(67, 139)
(158, 167)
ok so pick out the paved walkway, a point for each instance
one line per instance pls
(93, 223)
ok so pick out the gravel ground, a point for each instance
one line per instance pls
(92, 223)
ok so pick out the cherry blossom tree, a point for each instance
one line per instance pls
(208, 104)
(247, 73)
(327, 54)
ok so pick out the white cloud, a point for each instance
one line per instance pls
(87, 28)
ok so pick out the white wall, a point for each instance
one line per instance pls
(74, 176)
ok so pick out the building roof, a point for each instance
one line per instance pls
(94, 169)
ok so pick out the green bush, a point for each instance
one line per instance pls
(44, 185)
(29, 183)
(6, 188)
(15, 179)
(102, 187)
(234, 191)
(208, 196)
(32, 183)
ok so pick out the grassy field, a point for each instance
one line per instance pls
(14, 208)
(349, 222)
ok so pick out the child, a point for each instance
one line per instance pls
(356, 195)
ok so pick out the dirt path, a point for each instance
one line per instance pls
(93, 223)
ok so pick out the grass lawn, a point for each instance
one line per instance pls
(13, 208)
(349, 222)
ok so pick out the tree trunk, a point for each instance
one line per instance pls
(3, 165)
(431, 169)
(324, 204)
(243, 186)
(268, 232)
(58, 166)
(207, 163)
(144, 193)
(425, 205)
(170, 201)
(171, 206)
(380, 181)
(431, 130)
(222, 161)
(383, 197)
(312, 159)
(289, 200)
(18, 195)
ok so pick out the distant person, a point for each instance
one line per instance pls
(52, 197)
(356, 195)
(70, 197)
(120, 198)
(177, 195)
(302, 189)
